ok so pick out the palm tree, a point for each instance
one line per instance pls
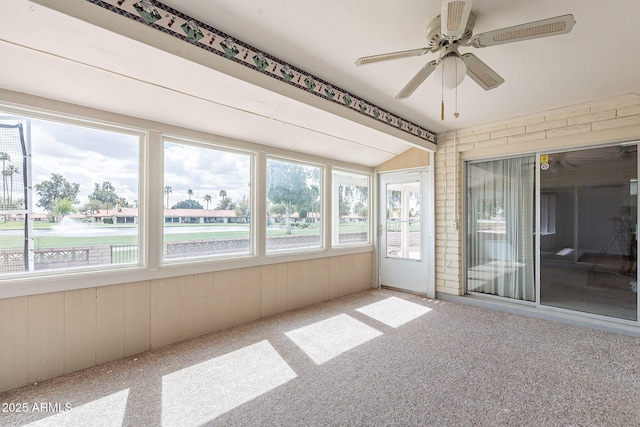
(190, 193)
(168, 190)
(10, 170)
(223, 194)
(207, 199)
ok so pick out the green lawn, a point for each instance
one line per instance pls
(15, 241)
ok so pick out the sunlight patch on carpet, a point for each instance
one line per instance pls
(107, 411)
(197, 394)
(324, 340)
(394, 311)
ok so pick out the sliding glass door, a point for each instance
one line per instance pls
(588, 242)
(585, 217)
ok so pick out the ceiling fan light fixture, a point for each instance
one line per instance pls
(453, 71)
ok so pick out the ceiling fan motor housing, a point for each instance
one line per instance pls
(434, 33)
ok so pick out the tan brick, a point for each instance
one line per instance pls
(474, 138)
(508, 132)
(494, 127)
(568, 112)
(570, 130)
(616, 123)
(632, 110)
(492, 142)
(592, 117)
(616, 103)
(554, 124)
(525, 121)
(527, 137)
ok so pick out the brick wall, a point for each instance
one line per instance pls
(606, 121)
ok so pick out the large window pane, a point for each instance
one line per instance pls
(70, 196)
(293, 206)
(588, 259)
(207, 198)
(500, 224)
(350, 208)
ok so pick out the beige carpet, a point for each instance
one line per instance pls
(376, 358)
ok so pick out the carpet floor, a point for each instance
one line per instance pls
(375, 358)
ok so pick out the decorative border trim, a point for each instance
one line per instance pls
(173, 22)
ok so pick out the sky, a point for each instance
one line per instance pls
(87, 156)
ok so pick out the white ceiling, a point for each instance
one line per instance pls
(49, 54)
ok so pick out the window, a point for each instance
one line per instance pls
(69, 196)
(294, 208)
(350, 208)
(207, 201)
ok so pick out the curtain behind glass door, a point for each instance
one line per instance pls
(500, 228)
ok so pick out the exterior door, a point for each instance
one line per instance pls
(406, 258)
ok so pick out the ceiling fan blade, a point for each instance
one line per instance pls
(532, 30)
(393, 55)
(454, 15)
(417, 80)
(480, 72)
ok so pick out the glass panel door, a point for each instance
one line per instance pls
(403, 220)
(588, 222)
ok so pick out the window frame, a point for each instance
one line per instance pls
(151, 135)
(94, 124)
(252, 155)
(323, 168)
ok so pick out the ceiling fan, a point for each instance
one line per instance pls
(454, 28)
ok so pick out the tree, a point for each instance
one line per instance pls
(207, 200)
(225, 202)
(55, 189)
(287, 185)
(187, 204)
(190, 193)
(63, 207)
(242, 208)
(10, 171)
(105, 194)
(168, 190)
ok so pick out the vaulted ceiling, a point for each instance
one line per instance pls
(79, 52)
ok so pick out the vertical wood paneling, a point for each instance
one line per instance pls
(203, 304)
(80, 312)
(292, 293)
(110, 323)
(51, 334)
(183, 305)
(268, 290)
(254, 294)
(45, 346)
(308, 291)
(337, 279)
(221, 300)
(13, 342)
(238, 296)
(324, 279)
(161, 312)
(137, 317)
(281, 287)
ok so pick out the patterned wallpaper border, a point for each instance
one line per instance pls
(190, 30)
